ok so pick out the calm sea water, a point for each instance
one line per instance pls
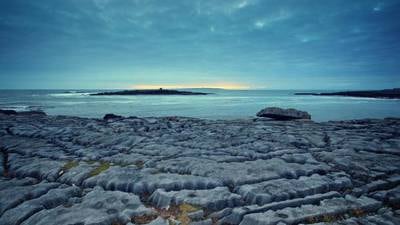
(223, 104)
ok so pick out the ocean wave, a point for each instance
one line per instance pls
(70, 94)
(21, 108)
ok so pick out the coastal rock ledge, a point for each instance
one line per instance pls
(283, 114)
(176, 170)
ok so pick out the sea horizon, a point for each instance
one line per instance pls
(192, 88)
(220, 104)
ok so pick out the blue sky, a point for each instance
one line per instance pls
(277, 44)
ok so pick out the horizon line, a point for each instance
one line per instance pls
(216, 88)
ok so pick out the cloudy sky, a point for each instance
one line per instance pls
(277, 44)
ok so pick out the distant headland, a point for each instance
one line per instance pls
(386, 93)
(150, 92)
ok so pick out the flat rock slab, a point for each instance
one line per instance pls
(285, 189)
(249, 172)
(140, 181)
(212, 199)
(333, 208)
(385, 218)
(96, 207)
(283, 114)
(12, 196)
(69, 170)
(53, 198)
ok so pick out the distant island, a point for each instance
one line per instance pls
(386, 93)
(150, 92)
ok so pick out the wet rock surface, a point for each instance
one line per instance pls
(283, 114)
(176, 170)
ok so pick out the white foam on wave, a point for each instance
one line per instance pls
(70, 94)
(21, 108)
(15, 107)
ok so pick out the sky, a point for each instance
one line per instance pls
(238, 44)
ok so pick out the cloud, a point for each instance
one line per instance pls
(232, 39)
(378, 7)
(269, 20)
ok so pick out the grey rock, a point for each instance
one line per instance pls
(51, 199)
(31, 146)
(2, 164)
(197, 215)
(159, 221)
(40, 168)
(390, 196)
(96, 207)
(284, 189)
(235, 215)
(174, 221)
(250, 172)
(111, 116)
(140, 181)
(32, 113)
(13, 196)
(283, 114)
(335, 206)
(213, 199)
(204, 222)
(233, 169)
(7, 183)
(385, 218)
(364, 167)
(8, 112)
(77, 174)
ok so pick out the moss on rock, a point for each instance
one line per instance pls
(99, 169)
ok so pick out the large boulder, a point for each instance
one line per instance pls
(8, 112)
(111, 116)
(32, 113)
(23, 113)
(283, 114)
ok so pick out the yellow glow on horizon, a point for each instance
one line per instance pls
(231, 86)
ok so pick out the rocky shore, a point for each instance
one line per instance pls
(175, 170)
(386, 93)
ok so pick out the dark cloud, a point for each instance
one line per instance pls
(264, 43)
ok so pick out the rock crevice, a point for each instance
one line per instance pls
(68, 170)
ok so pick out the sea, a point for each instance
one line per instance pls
(220, 104)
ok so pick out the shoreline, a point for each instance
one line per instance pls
(232, 119)
(376, 94)
(196, 171)
(221, 105)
